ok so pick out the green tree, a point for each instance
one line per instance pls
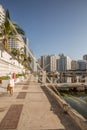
(16, 53)
(20, 56)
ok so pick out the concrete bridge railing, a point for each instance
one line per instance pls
(80, 120)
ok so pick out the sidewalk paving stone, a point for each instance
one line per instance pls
(11, 119)
(21, 95)
(34, 111)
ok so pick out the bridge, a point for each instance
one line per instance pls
(68, 75)
(36, 107)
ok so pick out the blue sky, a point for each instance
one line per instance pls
(52, 26)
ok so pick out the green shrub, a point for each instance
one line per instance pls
(4, 77)
(17, 75)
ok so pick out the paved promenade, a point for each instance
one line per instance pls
(32, 108)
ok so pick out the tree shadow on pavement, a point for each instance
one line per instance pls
(65, 119)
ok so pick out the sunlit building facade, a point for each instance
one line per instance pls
(45, 62)
(64, 63)
(2, 15)
(85, 57)
(13, 43)
(81, 65)
(73, 65)
(53, 63)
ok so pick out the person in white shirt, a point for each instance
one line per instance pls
(10, 86)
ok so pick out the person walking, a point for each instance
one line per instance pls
(10, 86)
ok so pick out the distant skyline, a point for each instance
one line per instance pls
(52, 26)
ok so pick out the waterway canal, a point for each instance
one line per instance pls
(77, 100)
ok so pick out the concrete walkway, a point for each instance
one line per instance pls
(32, 108)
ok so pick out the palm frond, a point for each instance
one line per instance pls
(7, 14)
(18, 28)
(20, 31)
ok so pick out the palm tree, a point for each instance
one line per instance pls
(24, 57)
(15, 52)
(9, 30)
(20, 55)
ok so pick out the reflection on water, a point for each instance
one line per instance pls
(77, 100)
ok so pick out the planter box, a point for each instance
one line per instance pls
(3, 85)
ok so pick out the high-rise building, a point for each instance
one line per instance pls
(73, 64)
(64, 63)
(39, 61)
(49, 63)
(85, 57)
(53, 63)
(32, 64)
(81, 64)
(2, 19)
(45, 62)
(13, 43)
(26, 46)
(2, 15)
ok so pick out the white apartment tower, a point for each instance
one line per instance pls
(49, 63)
(26, 41)
(64, 63)
(85, 57)
(13, 43)
(45, 62)
(2, 15)
(81, 64)
(53, 63)
(73, 64)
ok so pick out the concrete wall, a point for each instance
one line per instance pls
(8, 64)
(6, 68)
